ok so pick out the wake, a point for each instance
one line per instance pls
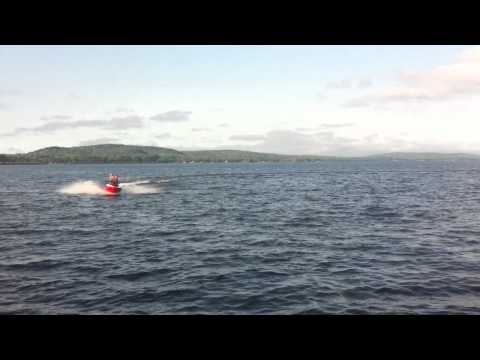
(83, 188)
(140, 187)
(89, 187)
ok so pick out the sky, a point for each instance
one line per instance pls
(325, 100)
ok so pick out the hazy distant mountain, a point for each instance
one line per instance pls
(112, 153)
(424, 156)
(237, 155)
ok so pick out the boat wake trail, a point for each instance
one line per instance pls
(140, 187)
(89, 187)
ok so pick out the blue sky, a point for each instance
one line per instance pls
(341, 100)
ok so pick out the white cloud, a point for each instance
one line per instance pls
(336, 125)
(125, 122)
(163, 136)
(330, 144)
(471, 55)
(172, 116)
(357, 102)
(291, 142)
(247, 137)
(340, 84)
(123, 110)
(364, 83)
(98, 141)
(14, 150)
(116, 123)
(349, 84)
(459, 79)
(55, 117)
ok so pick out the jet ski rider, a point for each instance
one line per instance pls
(113, 180)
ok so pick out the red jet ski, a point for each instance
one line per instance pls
(112, 187)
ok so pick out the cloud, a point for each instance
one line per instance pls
(14, 150)
(123, 110)
(99, 141)
(328, 143)
(320, 143)
(60, 125)
(357, 103)
(55, 117)
(223, 125)
(349, 84)
(336, 126)
(289, 142)
(200, 129)
(371, 138)
(340, 84)
(458, 79)
(116, 123)
(163, 136)
(172, 116)
(363, 84)
(126, 122)
(470, 55)
(247, 137)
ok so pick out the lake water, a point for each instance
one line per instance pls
(336, 237)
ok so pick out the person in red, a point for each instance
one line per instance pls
(114, 180)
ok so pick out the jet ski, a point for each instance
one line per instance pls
(112, 187)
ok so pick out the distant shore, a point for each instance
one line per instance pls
(132, 154)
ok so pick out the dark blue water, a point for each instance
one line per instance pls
(341, 237)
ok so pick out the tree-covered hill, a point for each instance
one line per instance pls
(112, 153)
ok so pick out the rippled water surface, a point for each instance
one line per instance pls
(341, 237)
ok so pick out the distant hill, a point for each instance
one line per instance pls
(237, 155)
(113, 153)
(97, 154)
(424, 156)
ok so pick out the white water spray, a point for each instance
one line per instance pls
(83, 188)
(89, 187)
(139, 187)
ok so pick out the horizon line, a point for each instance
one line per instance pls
(257, 152)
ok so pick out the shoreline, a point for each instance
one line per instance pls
(233, 162)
